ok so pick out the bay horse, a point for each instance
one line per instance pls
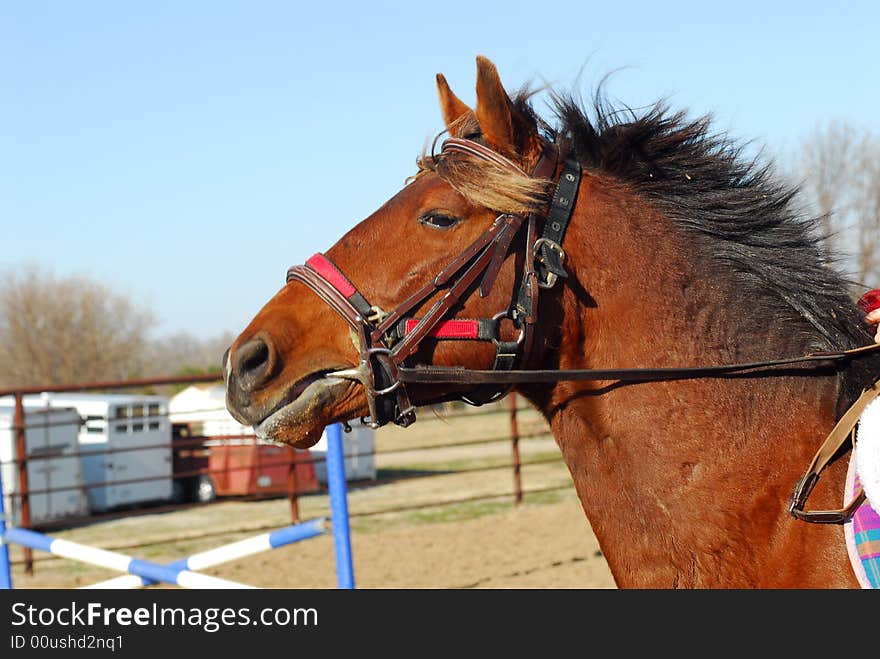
(608, 240)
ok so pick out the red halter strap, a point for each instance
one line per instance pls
(457, 328)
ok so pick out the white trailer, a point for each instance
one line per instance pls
(51, 448)
(113, 424)
(204, 408)
(357, 445)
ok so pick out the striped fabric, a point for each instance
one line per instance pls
(863, 537)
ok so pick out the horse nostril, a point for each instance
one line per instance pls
(253, 363)
(256, 357)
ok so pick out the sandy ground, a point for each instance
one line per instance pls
(540, 546)
(530, 546)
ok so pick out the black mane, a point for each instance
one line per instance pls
(742, 220)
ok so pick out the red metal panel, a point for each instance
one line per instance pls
(261, 469)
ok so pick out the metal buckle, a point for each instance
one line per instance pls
(552, 277)
(377, 315)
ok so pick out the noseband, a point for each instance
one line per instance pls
(387, 339)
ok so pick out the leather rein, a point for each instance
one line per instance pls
(386, 339)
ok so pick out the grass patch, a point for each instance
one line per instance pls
(546, 498)
(406, 471)
(452, 466)
(456, 512)
(459, 512)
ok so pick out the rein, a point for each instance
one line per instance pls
(386, 339)
(459, 375)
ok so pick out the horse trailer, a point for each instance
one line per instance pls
(124, 444)
(208, 439)
(204, 409)
(54, 472)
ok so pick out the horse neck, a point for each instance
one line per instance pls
(684, 483)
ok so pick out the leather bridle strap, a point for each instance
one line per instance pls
(458, 375)
(376, 373)
(842, 432)
(548, 248)
(471, 271)
(478, 150)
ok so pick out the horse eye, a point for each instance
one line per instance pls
(438, 221)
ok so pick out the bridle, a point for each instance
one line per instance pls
(386, 339)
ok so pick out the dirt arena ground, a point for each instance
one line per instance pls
(544, 543)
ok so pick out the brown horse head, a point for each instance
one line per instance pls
(277, 369)
(676, 253)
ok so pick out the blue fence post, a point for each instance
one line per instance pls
(339, 506)
(5, 567)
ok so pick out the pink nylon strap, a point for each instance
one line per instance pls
(445, 329)
(448, 329)
(324, 267)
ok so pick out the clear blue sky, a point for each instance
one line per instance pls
(188, 152)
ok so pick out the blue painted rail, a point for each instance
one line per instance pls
(183, 572)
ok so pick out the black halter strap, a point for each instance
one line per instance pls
(549, 246)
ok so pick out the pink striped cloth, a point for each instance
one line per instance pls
(862, 535)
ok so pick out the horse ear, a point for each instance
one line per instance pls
(452, 107)
(494, 109)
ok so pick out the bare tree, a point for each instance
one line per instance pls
(868, 205)
(57, 330)
(827, 170)
(839, 166)
(182, 353)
